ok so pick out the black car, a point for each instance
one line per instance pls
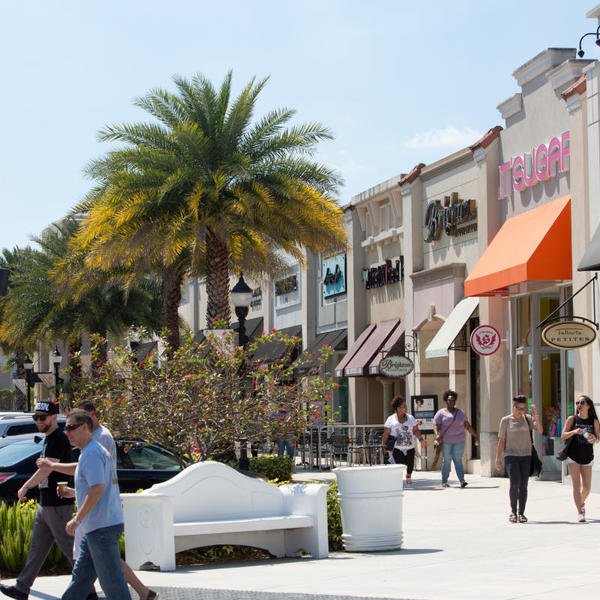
(139, 466)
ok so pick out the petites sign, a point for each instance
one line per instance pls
(568, 335)
(485, 340)
(396, 366)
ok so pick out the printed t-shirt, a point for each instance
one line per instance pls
(56, 445)
(517, 436)
(453, 432)
(403, 432)
(95, 467)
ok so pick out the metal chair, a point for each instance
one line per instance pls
(339, 444)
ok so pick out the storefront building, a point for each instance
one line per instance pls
(525, 272)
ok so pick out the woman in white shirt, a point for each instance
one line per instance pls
(404, 428)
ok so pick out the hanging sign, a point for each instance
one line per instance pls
(485, 340)
(568, 335)
(395, 366)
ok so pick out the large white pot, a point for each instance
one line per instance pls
(371, 506)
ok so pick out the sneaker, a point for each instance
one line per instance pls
(463, 484)
(12, 592)
(581, 518)
(512, 518)
(445, 484)
(522, 519)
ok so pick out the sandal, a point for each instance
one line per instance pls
(463, 484)
(512, 518)
(151, 595)
(522, 519)
(581, 518)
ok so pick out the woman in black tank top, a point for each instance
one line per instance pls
(584, 431)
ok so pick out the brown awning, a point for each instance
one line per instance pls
(337, 339)
(359, 363)
(394, 346)
(339, 370)
(274, 350)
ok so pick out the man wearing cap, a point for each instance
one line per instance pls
(53, 513)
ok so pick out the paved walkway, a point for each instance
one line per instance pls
(458, 545)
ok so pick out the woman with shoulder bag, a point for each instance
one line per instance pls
(583, 429)
(514, 441)
(450, 424)
(404, 428)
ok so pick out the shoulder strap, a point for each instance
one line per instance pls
(441, 436)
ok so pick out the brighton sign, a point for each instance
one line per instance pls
(530, 168)
(568, 335)
(448, 216)
(395, 366)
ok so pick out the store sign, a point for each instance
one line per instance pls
(485, 340)
(568, 334)
(256, 298)
(334, 276)
(384, 274)
(447, 216)
(395, 366)
(530, 168)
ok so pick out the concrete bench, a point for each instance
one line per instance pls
(210, 503)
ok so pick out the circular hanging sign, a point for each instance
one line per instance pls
(395, 366)
(485, 340)
(568, 335)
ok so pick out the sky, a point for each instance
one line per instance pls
(398, 82)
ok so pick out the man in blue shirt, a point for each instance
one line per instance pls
(99, 515)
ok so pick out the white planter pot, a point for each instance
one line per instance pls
(371, 506)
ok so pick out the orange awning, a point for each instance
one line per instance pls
(531, 251)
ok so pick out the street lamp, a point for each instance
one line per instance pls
(28, 366)
(241, 296)
(134, 340)
(56, 359)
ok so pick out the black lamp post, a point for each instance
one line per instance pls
(134, 340)
(28, 365)
(56, 358)
(241, 296)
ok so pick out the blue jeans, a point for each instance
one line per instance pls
(284, 445)
(452, 451)
(99, 556)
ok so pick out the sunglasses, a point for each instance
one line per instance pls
(39, 417)
(72, 427)
(579, 402)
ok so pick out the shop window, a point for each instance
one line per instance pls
(524, 376)
(551, 395)
(547, 306)
(340, 401)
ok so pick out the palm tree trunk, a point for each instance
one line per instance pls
(20, 355)
(217, 280)
(172, 282)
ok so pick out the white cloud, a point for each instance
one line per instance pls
(448, 137)
(348, 166)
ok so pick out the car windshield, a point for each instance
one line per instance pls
(10, 455)
(136, 456)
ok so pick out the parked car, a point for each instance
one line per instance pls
(17, 425)
(139, 466)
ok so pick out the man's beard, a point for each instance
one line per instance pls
(45, 428)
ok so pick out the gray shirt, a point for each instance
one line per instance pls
(517, 436)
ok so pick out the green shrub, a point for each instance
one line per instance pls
(278, 468)
(334, 518)
(16, 526)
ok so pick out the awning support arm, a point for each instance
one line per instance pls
(595, 322)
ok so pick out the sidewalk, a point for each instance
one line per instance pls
(458, 544)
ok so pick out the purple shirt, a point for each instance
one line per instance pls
(452, 433)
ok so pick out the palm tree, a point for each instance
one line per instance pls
(206, 190)
(33, 310)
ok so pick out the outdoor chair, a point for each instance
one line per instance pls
(339, 444)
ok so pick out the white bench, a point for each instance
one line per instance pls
(210, 503)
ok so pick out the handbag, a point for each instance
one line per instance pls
(391, 442)
(564, 449)
(535, 467)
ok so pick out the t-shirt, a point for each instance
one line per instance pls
(403, 432)
(94, 467)
(452, 432)
(56, 445)
(104, 437)
(517, 436)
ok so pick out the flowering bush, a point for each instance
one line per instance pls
(206, 396)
